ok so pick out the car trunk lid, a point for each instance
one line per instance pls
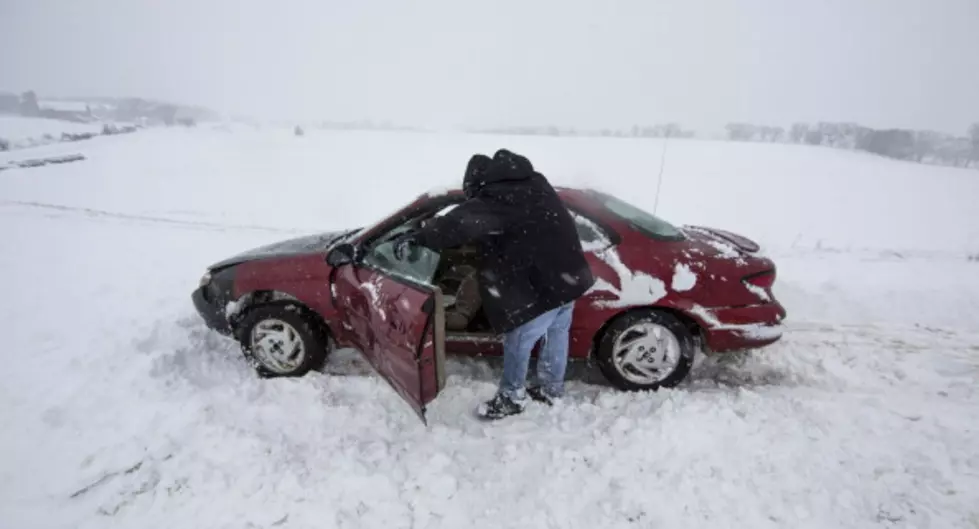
(750, 278)
(740, 242)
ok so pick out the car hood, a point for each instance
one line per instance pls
(305, 245)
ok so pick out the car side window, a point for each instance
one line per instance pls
(592, 236)
(419, 265)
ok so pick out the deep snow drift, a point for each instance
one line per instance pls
(121, 410)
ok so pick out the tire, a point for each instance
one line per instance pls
(264, 327)
(673, 363)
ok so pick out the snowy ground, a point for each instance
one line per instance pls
(121, 410)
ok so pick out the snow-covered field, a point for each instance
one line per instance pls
(119, 409)
(23, 132)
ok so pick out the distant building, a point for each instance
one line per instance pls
(28, 104)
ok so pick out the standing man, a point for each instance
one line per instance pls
(532, 269)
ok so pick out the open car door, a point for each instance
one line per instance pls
(396, 318)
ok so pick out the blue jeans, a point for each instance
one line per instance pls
(552, 362)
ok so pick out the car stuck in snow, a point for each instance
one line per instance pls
(662, 292)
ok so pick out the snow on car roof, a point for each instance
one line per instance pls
(441, 191)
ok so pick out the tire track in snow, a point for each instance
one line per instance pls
(99, 213)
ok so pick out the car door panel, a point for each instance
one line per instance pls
(397, 325)
(353, 308)
(404, 353)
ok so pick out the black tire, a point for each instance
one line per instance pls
(623, 324)
(315, 339)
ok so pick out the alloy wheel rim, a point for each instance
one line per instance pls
(277, 345)
(646, 353)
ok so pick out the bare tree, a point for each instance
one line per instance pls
(798, 132)
(974, 136)
(833, 133)
(740, 131)
(814, 137)
(893, 143)
(925, 143)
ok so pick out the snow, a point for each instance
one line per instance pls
(683, 278)
(120, 409)
(749, 330)
(596, 240)
(373, 289)
(26, 132)
(63, 104)
(758, 291)
(727, 251)
(231, 309)
(440, 190)
(635, 288)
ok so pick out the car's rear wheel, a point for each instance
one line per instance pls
(645, 350)
(280, 340)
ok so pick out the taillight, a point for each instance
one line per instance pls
(761, 280)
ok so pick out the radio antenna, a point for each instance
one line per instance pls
(662, 163)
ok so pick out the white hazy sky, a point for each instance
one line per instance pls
(901, 63)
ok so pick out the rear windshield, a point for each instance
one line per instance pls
(647, 223)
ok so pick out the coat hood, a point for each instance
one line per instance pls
(475, 171)
(505, 166)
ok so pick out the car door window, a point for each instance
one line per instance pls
(419, 265)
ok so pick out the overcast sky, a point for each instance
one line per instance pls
(901, 63)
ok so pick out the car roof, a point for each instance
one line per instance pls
(563, 191)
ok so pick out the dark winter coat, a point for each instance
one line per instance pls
(530, 253)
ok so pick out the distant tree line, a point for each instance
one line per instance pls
(923, 146)
(672, 130)
(130, 109)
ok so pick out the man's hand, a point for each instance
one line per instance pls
(403, 244)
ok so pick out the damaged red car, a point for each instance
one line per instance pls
(662, 293)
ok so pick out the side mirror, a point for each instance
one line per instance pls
(342, 254)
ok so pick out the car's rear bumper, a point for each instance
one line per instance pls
(736, 328)
(212, 314)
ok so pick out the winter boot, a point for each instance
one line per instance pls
(541, 395)
(498, 407)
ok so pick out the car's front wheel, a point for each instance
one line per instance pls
(280, 340)
(645, 350)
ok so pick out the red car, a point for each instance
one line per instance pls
(662, 292)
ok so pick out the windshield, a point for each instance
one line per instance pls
(647, 223)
